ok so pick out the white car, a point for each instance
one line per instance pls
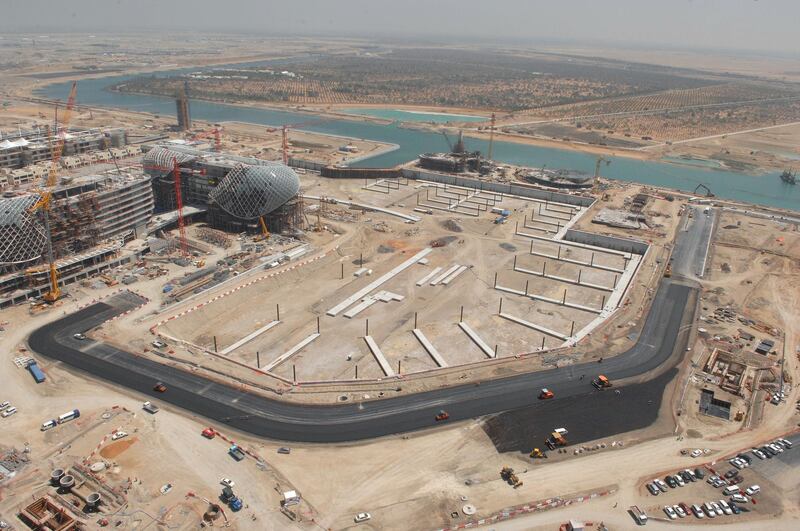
(4, 405)
(752, 489)
(725, 507)
(225, 482)
(777, 447)
(758, 453)
(696, 453)
(117, 435)
(717, 508)
(786, 444)
(8, 412)
(698, 511)
(710, 512)
(680, 480)
(738, 498)
(679, 510)
(670, 512)
(362, 517)
(738, 463)
(79, 337)
(159, 344)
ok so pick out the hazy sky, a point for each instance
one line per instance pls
(733, 24)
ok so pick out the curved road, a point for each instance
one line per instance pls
(661, 336)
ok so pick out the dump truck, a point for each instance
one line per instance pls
(236, 452)
(601, 382)
(150, 407)
(508, 475)
(557, 438)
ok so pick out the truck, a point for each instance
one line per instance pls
(235, 504)
(69, 415)
(36, 372)
(236, 452)
(639, 516)
(150, 407)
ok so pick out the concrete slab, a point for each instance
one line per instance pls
(248, 338)
(291, 352)
(444, 275)
(429, 348)
(333, 312)
(477, 339)
(533, 326)
(429, 276)
(452, 277)
(379, 357)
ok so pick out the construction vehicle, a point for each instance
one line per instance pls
(596, 179)
(442, 415)
(706, 190)
(264, 232)
(546, 394)
(508, 475)
(538, 454)
(150, 407)
(235, 504)
(556, 439)
(213, 509)
(209, 433)
(668, 271)
(601, 382)
(236, 452)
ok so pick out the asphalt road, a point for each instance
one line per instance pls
(275, 419)
(690, 253)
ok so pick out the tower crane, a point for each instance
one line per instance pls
(491, 136)
(596, 179)
(212, 133)
(46, 194)
(285, 135)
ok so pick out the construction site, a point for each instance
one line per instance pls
(231, 324)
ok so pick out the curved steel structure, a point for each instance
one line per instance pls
(249, 192)
(22, 236)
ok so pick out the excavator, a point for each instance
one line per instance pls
(538, 454)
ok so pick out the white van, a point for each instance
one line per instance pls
(731, 490)
(49, 425)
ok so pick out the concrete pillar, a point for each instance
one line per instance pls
(415, 320)
(461, 317)
(531, 246)
(615, 281)
(544, 268)
(603, 303)
(579, 275)
(495, 279)
(500, 310)
(564, 298)
(526, 287)
(559, 252)
(591, 260)
(278, 312)
(258, 360)
(544, 338)
(318, 324)
(342, 271)
(572, 329)
(367, 332)
(515, 262)
(215, 343)
(356, 371)
(294, 373)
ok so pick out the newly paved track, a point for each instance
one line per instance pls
(353, 421)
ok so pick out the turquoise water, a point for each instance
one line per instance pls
(415, 116)
(765, 189)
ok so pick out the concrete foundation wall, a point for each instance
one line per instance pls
(500, 188)
(609, 242)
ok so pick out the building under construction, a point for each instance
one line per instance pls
(236, 192)
(458, 160)
(90, 217)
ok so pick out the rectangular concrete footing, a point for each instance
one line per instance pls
(429, 348)
(248, 338)
(291, 352)
(477, 339)
(533, 326)
(379, 357)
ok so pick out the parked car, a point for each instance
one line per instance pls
(9, 411)
(745, 457)
(717, 509)
(739, 498)
(697, 511)
(119, 435)
(4, 405)
(699, 473)
(752, 489)
(769, 452)
(731, 473)
(725, 507)
(786, 444)
(362, 517)
(225, 482)
(670, 512)
(653, 489)
(690, 474)
(758, 453)
(736, 480)
(660, 484)
(79, 337)
(679, 479)
(158, 344)
(679, 511)
(671, 481)
(696, 453)
(735, 508)
(284, 450)
(778, 448)
(738, 463)
(709, 510)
